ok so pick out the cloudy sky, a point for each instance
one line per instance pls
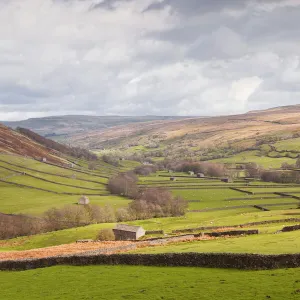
(138, 57)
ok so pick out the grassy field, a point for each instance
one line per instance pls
(28, 201)
(199, 192)
(252, 156)
(137, 282)
(54, 238)
(264, 243)
(289, 145)
(191, 220)
(24, 200)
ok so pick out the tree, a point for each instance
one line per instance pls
(124, 184)
(297, 163)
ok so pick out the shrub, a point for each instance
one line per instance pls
(111, 160)
(145, 170)
(106, 235)
(124, 184)
(207, 168)
(155, 203)
(253, 170)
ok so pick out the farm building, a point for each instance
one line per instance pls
(200, 175)
(44, 159)
(125, 232)
(172, 178)
(191, 173)
(83, 200)
(226, 180)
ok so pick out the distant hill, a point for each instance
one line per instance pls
(68, 125)
(238, 131)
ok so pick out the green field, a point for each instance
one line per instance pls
(138, 282)
(252, 156)
(54, 238)
(199, 192)
(289, 145)
(15, 199)
(262, 243)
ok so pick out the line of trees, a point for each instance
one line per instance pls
(207, 168)
(253, 170)
(54, 219)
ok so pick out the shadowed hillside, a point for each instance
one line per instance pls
(12, 142)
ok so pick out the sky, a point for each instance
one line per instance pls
(147, 57)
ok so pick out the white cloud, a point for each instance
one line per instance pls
(216, 57)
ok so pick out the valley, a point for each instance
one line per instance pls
(37, 181)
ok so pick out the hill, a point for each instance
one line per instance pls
(204, 138)
(58, 126)
(13, 142)
(204, 132)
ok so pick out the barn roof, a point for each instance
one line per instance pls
(129, 228)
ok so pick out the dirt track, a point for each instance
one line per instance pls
(60, 250)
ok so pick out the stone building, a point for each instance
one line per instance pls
(226, 180)
(83, 200)
(125, 232)
(200, 175)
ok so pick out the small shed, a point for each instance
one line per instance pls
(226, 180)
(200, 175)
(44, 159)
(170, 171)
(191, 173)
(173, 178)
(83, 200)
(125, 232)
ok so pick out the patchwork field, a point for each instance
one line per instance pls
(32, 187)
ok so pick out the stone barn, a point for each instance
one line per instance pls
(172, 178)
(44, 159)
(191, 173)
(200, 175)
(226, 180)
(125, 232)
(83, 200)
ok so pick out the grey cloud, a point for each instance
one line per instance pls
(198, 57)
(192, 7)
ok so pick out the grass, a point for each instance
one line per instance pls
(38, 183)
(266, 243)
(54, 238)
(252, 156)
(191, 220)
(38, 166)
(214, 218)
(28, 201)
(289, 145)
(155, 283)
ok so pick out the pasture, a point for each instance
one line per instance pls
(138, 282)
(45, 186)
